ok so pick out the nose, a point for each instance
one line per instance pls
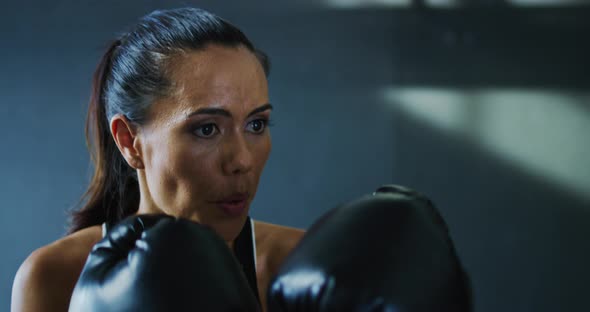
(238, 158)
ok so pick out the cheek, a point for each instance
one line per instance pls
(195, 165)
(262, 152)
(179, 168)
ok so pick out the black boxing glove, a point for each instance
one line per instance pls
(387, 252)
(160, 263)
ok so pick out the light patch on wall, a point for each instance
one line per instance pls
(443, 4)
(444, 108)
(546, 3)
(544, 132)
(356, 4)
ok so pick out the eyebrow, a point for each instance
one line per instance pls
(224, 112)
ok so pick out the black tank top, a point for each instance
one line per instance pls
(244, 250)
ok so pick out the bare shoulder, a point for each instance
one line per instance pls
(277, 240)
(279, 234)
(46, 279)
(273, 244)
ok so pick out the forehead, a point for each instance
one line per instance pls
(218, 75)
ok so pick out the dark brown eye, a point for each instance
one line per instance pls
(206, 131)
(257, 126)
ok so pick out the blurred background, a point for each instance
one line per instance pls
(483, 105)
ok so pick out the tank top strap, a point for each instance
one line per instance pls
(105, 229)
(245, 251)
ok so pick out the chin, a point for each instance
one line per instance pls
(229, 228)
(227, 225)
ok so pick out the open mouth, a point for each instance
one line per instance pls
(233, 207)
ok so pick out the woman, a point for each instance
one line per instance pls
(177, 124)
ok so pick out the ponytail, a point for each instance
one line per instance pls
(113, 192)
(131, 74)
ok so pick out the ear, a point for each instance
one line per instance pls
(125, 136)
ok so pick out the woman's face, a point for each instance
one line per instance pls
(205, 145)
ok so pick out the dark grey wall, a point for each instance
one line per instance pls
(521, 224)
(338, 133)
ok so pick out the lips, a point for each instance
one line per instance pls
(233, 205)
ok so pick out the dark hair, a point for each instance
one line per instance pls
(130, 75)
